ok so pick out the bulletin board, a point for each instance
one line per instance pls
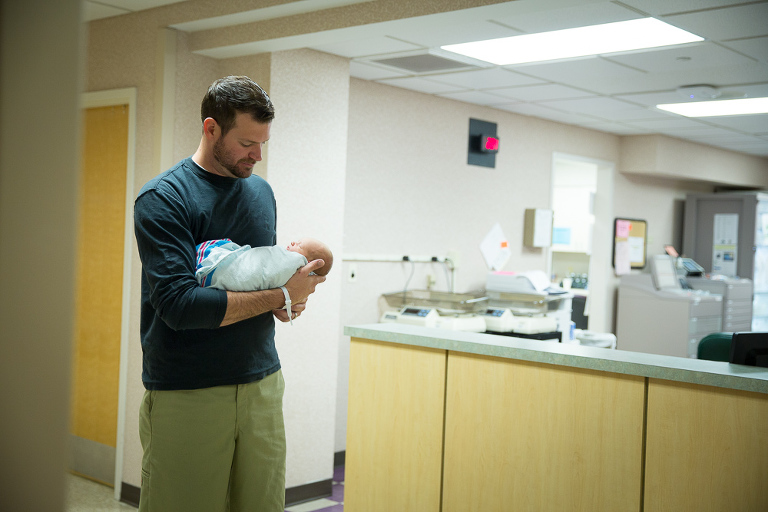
(629, 244)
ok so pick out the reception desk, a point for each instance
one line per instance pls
(446, 421)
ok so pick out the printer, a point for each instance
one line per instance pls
(657, 315)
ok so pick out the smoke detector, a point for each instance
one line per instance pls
(699, 92)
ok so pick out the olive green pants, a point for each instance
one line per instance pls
(215, 449)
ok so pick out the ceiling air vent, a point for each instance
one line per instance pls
(426, 63)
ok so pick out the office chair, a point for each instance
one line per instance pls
(716, 346)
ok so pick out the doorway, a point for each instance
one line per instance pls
(582, 201)
(102, 284)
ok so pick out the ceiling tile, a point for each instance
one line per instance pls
(569, 17)
(708, 132)
(748, 124)
(485, 78)
(734, 142)
(438, 33)
(419, 84)
(681, 59)
(591, 73)
(739, 140)
(653, 98)
(534, 110)
(367, 71)
(756, 47)
(477, 97)
(751, 91)
(727, 23)
(668, 125)
(724, 77)
(542, 92)
(609, 109)
(615, 128)
(596, 74)
(659, 7)
(366, 47)
(732, 92)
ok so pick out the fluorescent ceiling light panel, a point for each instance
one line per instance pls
(718, 108)
(621, 36)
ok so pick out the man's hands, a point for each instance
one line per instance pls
(242, 305)
(300, 286)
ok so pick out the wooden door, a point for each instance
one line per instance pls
(99, 275)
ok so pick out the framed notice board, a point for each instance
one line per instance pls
(629, 244)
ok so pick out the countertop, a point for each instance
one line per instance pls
(694, 371)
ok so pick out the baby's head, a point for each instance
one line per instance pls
(314, 249)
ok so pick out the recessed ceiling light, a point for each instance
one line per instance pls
(718, 108)
(576, 42)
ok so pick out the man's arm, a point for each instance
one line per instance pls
(167, 251)
(244, 305)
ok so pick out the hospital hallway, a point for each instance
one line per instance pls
(86, 495)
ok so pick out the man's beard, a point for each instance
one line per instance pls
(224, 159)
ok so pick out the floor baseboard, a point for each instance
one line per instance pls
(339, 458)
(129, 494)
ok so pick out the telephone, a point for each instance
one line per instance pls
(691, 268)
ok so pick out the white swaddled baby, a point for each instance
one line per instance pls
(226, 265)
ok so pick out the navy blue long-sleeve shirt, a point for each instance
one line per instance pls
(182, 343)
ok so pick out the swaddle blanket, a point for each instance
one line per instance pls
(226, 265)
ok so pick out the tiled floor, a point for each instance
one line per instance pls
(85, 495)
(88, 496)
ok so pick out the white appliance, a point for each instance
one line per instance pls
(503, 320)
(595, 339)
(536, 305)
(430, 317)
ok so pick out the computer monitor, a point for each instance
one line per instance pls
(750, 348)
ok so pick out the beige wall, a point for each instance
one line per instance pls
(39, 157)
(658, 155)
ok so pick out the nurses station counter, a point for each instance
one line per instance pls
(447, 421)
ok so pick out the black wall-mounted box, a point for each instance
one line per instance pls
(476, 154)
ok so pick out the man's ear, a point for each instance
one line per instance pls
(211, 128)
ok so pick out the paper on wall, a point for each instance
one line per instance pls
(622, 228)
(622, 262)
(636, 249)
(725, 239)
(495, 248)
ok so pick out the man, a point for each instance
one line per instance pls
(211, 421)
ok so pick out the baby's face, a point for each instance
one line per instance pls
(295, 247)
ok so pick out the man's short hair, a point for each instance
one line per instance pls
(228, 96)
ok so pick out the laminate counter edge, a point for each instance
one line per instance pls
(678, 369)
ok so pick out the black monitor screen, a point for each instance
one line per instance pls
(750, 348)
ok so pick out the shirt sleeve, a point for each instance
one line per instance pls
(167, 250)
